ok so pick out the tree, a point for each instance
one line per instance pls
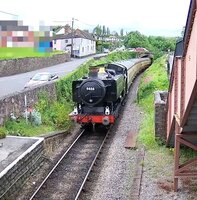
(108, 31)
(104, 30)
(122, 32)
(136, 39)
(158, 45)
(115, 33)
(98, 30)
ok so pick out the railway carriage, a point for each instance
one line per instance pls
(98, 96)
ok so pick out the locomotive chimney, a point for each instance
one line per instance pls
(93, 72)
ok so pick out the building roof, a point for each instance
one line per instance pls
(76, 34)
(189, 23)
(179, 49)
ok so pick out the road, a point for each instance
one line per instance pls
(15, 83)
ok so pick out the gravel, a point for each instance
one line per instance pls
(115, 173)
(114, 181)
(112, 177)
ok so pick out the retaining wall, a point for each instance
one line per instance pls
(21, 65)
(52, 141)
(14, 176)
(160, 114)
(15, 103)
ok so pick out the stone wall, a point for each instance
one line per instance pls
(21, 65)
(13, 177)
(52, 141)
(15, 103)
(160, 115)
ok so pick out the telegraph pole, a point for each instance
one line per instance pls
(72, 37)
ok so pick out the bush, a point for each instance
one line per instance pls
(2, 132)
(64, 85)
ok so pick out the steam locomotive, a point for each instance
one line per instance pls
(99, 95)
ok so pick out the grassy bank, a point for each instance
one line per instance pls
(154, 79)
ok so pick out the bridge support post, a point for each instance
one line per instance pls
(186, 169)
(176, 156)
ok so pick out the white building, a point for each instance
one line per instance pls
(84, 43)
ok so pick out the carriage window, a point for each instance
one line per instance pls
(116, 68)
(119, 70)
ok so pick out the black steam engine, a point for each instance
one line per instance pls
(98, 97)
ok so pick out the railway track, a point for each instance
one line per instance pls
(68, 176)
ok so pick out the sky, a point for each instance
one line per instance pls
(150, 17)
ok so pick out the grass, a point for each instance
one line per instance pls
(154, 79)
(22, 128)
(22, 52)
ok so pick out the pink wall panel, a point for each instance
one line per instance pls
(179, 87)
(190, 61)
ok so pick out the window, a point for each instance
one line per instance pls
(82, 49)
(66, 41)
(54, 41)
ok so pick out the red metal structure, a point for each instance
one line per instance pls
(182, 98)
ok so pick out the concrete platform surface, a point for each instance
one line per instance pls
(13, 147)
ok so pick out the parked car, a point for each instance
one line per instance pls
(106, 51)
(40, 78)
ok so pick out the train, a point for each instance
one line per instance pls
(99, 95)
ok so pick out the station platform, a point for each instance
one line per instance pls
(12, 147)
(19, 157)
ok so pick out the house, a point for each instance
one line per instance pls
(83, 42)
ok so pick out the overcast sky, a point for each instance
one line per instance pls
(150, 17)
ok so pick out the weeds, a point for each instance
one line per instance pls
(2, 132)
(154, 79)
(21, 128)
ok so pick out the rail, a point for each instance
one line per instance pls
(85, 150)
